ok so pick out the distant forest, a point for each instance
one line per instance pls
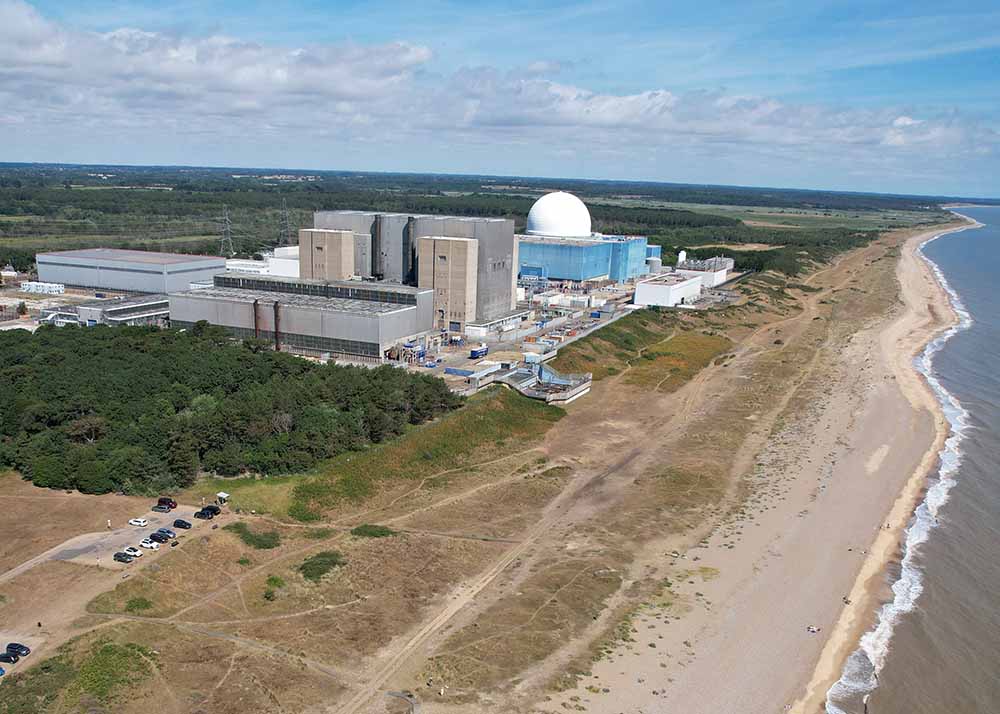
(50, 207)
(142, 410)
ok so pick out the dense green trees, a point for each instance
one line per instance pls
(142, 410)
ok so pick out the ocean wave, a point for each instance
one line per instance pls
(860, 674)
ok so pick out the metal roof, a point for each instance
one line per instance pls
(314, 302)
(356, 284)
(130, 256)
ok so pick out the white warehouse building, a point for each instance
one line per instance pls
(668, 290)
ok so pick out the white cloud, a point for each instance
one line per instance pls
(131, 83)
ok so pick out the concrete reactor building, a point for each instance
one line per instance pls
(558, 244)
(137, 271)
(388, 248)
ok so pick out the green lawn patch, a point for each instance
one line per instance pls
(109, 668)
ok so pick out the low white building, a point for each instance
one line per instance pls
(284, 262)
(32, 286)
(667, 290)
(708, 278)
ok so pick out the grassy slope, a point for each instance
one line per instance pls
(662, 351)
(492, 424)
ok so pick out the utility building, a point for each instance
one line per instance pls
(449, 266)
(350, 319)
(326, 254)
(136, 271)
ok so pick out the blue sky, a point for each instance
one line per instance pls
(875, 96)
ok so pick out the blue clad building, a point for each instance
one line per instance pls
(560, 245)
(564, 259)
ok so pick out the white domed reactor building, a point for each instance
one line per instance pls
(559, 244)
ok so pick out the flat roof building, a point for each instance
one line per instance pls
(351, 319)
(137, 310)
(123, 270)
(667, 290)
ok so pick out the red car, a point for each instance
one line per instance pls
(166, 501)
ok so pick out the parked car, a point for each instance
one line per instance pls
(166, 501)
(9, 658)
(204, 515)
(141, 522)
(181, 523)
(18, 649)
(132, 551)
(161, 509)
(2, 671)
(158, 537)
(149, 544)
(123, 557)
(167, 532)
(212, 508)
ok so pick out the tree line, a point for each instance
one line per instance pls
(141, 410)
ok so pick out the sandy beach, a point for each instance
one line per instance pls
(828, 500)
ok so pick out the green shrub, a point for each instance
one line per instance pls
(317, 566)
(270, 595)
(275, 581)
(255, 539)
(244, 561)
(138, 604)
(368, 530)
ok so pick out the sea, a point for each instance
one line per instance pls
(935, 646)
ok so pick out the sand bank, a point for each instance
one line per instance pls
(732, 630)
(927, 313)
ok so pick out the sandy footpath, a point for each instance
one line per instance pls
(731, 635)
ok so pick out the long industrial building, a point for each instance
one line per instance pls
(137, 271)
(353, 319)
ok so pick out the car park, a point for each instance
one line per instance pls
(204, 515)
(166, 501)
(182, 524)
(9, 658)
(159, 537)
(122, 557)
(149, 544)
(167, 532)
(161, 509)
(132, 551)
(18, 649)
(141, 522)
